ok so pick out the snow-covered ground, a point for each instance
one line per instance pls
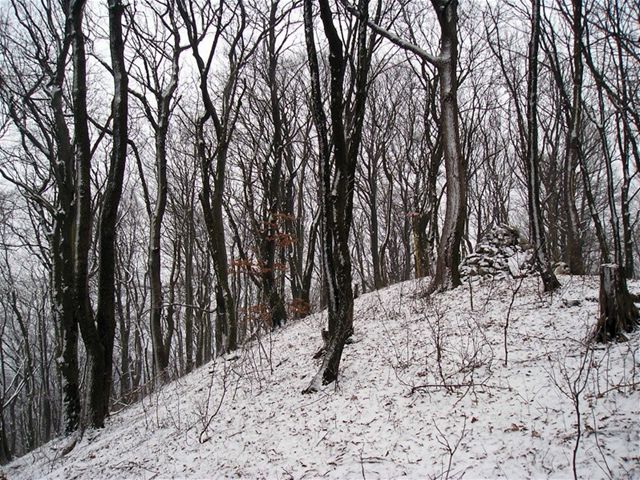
(478, 412)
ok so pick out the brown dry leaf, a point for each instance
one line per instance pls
(515, 428)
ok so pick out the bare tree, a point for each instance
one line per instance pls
(70, 208)
(227, 24)
(536, 225)
(347, 109)
(158, 53)
(47, 133)
(446, 274)
(99, 333)
(571, 103)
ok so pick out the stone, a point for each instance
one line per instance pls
(500, 254)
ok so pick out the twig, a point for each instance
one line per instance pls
(506, 325)
(454, 385)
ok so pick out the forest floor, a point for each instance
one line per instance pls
(428, 389)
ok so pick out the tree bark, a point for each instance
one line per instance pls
(337, 187)
(212, 205)
(62, 239)
(574, 253)
(101, 350)
(272, 202)
(618, 314)
(82, 228)
(188, 246)
(536, 225)
(447, 275)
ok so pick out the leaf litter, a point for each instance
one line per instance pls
(424, 392)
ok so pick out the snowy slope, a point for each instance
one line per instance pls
(397, 412)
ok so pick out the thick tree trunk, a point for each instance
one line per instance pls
(62, 242)
(82, 229)
(82, 154)
(271, 204)
(337, 186)
(63, 311)
(447, 275)
(532, 162)
(618, 313)
(101, 354)
(69, 371)
(573, 254)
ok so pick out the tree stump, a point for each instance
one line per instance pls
(618, 313)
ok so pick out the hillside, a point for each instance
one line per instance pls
(397, 411)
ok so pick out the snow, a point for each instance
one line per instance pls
(396, 411)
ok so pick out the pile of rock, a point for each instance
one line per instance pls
(501, 253)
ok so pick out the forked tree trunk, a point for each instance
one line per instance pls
(618, 313)
(337, 183)
(213, 161)
(82, 233)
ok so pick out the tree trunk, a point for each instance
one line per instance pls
(124, 327)
(212, 204)
(532, 162)
(82, 233)
(337, 186)
(160, 355)
(447, 275)
(626, 140)
(574, 253)
(188, 293)
(101, 354)
(271, 204)
(62, 242)
(372, 178)
(5, 451)
(160, 348)
(419, 225)
(618, 313)
(63, 311)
